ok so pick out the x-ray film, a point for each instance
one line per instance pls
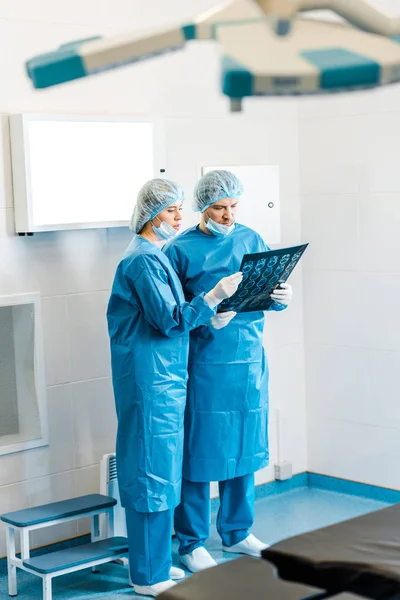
(262, 273)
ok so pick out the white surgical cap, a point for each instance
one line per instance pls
(154, 197)
(214, 186)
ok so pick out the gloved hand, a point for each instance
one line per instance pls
(221, 320)
(224, 289)
(283, 294)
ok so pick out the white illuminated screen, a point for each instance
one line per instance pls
(87, 172)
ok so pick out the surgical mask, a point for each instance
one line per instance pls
(164, 231)
(218, 229)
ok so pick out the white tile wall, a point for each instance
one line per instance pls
(291, 220)
(54, 263)
(338, 377)
(287, 380)
(88, 336)
(379, 310)
(383, 372)
(94, 420)
(325, 218)
(379, 232)
(355, 309)
(377, 151)
(7, 222)
(351, 215)
(294, 443)
(118, 240)
(332, 308)
(354, 451)
(329, 155)
(87, 480)
(56, 340)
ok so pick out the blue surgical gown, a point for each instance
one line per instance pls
(226, 420)
(148, 322)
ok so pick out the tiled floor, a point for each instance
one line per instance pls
(277, 518)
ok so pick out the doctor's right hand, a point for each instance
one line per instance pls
(225, 288)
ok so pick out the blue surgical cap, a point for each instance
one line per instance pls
(214, 186)
(154, 196)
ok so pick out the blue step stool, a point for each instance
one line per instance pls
(51, 565)
(68, 560)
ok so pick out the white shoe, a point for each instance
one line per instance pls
(198, 560)
(176, 573)
(250, 546)
(153, 590)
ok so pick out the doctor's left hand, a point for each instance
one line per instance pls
(283, 294)
(221, 320)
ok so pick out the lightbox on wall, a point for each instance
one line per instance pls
(80, 171)
(259, 207)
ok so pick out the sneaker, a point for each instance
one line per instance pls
(198, 560)
(176, 573)
(153, 590)
(250, 546)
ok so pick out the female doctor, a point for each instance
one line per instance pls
(149, 323)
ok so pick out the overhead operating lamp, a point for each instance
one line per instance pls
(268, 49)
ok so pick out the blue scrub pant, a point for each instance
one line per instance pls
(235, 516)
(149, 540)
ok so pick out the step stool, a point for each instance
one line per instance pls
(52, 564)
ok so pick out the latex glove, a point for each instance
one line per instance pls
(221, 320)
(224, 289)
(283, 294)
